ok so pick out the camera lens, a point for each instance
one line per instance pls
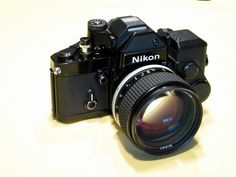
(166, 118)
(162, 116)
(157, 110)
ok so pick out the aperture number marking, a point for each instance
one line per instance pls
(166, 147)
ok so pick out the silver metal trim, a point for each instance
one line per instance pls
(137, 28)
(85, 48)
(130, 75)
(57, 71)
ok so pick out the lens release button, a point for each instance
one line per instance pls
(190, 70)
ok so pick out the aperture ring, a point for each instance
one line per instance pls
(130, 79)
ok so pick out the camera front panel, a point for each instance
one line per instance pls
(79, 96)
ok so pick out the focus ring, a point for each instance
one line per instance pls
(141, 87)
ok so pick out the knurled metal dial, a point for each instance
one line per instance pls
(97, 25)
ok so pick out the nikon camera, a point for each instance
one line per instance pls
(152, 83)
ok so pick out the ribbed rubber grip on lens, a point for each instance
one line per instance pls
(141, 87)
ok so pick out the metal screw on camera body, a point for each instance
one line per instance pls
(57, 71)
(101, 78)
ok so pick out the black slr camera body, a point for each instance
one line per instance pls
(152, 82)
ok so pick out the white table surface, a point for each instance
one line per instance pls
(34, 145)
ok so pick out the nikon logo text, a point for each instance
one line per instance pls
(143, 58)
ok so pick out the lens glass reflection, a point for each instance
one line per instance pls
(164, 116)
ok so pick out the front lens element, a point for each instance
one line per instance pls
(164, 116)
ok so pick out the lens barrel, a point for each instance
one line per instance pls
(156, 109)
